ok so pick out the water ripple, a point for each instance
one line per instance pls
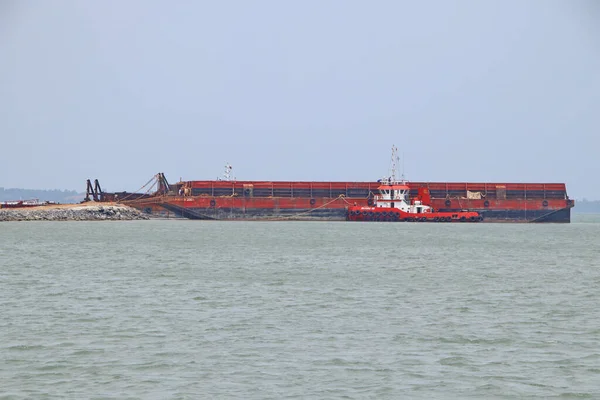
(178, 309)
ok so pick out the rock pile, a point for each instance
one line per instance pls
(72, 213)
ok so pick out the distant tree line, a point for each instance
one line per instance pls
(587, 206)
(59, 196)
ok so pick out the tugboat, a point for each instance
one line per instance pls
(393, 204)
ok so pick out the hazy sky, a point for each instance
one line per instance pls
(299, 90)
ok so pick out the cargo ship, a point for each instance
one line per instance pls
(230, 199)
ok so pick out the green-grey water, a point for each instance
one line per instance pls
(278, 310)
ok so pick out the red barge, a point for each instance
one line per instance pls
(230, 199)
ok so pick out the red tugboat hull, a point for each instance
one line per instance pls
(394, 203)
(388, 214)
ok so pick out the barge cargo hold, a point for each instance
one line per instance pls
(266, 200)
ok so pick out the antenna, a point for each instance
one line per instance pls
(227, 174)
(402, 167)
(395, 160)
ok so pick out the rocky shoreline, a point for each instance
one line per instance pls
(74, 212)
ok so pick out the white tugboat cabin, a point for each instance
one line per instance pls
(396, 195)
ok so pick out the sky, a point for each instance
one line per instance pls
(469, 91)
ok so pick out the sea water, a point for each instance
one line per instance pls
(291, 310)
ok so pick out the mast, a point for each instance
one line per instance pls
(395, 160)
(403, 179)
(227, 174)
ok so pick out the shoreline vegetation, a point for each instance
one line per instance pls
(586, 207)
(73, 212)
(57, 196)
